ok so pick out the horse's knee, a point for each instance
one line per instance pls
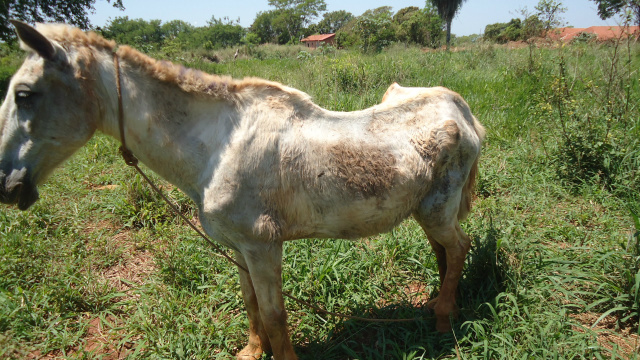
(463, 238)
(274, 317)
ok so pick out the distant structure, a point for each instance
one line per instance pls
(602, 32)
(314, 41)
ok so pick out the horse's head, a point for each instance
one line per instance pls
(49, 112)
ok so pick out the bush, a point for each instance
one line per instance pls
(591, 133)
(504, 32)
(584, 37)
(10, 60)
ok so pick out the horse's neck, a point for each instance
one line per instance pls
(175, 134)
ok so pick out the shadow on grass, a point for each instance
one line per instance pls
(351, 339)
(486, 273)
(483, 279)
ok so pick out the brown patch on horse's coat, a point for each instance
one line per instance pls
(366, 170)
(268, 225)
(426, 146)
(442, 140)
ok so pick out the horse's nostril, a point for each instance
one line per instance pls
(9, 195)
(16, 188)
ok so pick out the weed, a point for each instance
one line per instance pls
(593, 146)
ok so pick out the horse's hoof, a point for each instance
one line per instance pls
(443, 325)
(431, 304)
(443, 320)
(250, 352)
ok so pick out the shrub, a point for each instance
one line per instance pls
(592, 127)
(584, 37)
(10, 60)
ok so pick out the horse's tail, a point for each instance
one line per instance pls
(469, 186)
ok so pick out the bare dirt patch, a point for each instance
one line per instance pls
(625, 341)
(104, 339)
(134, 268)
(92, 186)
(418, 293)
(134, 263)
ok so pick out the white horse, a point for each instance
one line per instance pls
(263, 163)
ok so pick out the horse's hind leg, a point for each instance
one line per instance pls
(441, 256)
(258, 338)
(438, 217)
(451, 245)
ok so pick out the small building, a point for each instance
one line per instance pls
(314, 41)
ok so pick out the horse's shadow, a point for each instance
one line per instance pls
(482, 281)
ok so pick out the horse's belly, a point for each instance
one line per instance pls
(350, 219)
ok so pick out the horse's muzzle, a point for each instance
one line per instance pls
(17, 188)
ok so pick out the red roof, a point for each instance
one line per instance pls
(603, 32)
(321, 37)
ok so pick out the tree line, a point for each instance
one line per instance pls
(372, 30)
(286, 23)
(290, 20)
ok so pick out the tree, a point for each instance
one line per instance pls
(74, 12)
(176, 28)
(289, 25)
(404, 14)
(296, 14)
(348, 36)
(532, 27)
(139, 33)
(221, 33)
(447, 10)
(548, 12)
(610, 8)
(504, 32)
(375, 28)
(419, 26)
(263, 27)
(332, 21)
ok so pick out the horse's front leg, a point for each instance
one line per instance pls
(258, 338)
(264, 262)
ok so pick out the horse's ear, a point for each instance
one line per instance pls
(34, 40)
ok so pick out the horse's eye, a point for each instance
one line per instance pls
(22, 94)
(24, 97)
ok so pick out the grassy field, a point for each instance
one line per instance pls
(100, 268)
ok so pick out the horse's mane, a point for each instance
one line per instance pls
(189, 80)
(195, 81)
(70, 36)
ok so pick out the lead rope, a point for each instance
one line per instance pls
(132, 161)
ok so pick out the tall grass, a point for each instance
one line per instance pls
(553, 268)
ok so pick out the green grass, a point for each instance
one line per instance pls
(555, 262)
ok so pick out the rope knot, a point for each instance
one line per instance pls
(128, 156)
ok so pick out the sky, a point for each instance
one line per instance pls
(473, 16)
